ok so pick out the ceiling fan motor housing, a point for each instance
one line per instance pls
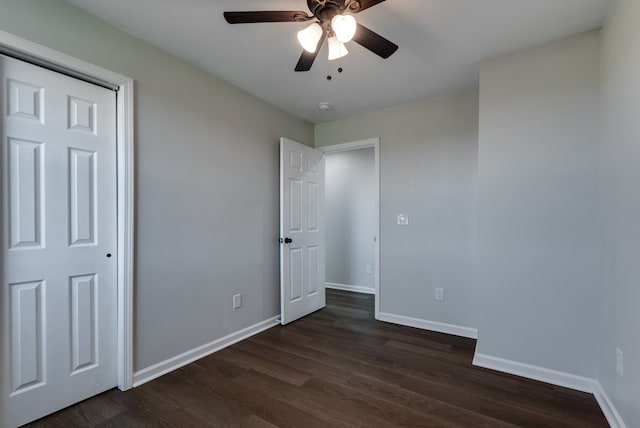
(325, 9)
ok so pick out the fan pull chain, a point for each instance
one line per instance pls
(340, 70)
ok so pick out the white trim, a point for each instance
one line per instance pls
(440, 327)
(609, 410)
(188, 357)
(126, 221)
(351, 288)
(554, 377)
(59, 61)
(376, 251)
(362, 144)
(125, 143)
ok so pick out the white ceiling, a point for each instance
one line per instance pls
(441, 44)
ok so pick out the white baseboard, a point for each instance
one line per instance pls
(554, 377)
(352, 288)
(456, 330)
(164, 367)
(609, 410)
(542, 374)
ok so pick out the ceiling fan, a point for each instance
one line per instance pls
(333, 21)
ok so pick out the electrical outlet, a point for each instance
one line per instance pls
(439, 294)
(367, 269)
(237, 301)
(619, 362)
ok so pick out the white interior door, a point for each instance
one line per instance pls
(302, 282)
(59, 241)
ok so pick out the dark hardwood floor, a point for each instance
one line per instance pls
(338, 368)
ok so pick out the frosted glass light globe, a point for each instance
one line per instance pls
(310, 36)
(337, 49)
(344, 26)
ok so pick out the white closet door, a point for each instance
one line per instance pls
(59, 240)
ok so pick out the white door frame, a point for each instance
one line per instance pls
(57, 61)
(362, 144)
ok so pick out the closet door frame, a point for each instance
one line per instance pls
(37, 54)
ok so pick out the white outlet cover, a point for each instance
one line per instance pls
(403, 220)
(367, 269)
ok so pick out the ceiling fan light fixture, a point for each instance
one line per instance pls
(344, 26)
(329, 19)
(337, 49)
(310, 36)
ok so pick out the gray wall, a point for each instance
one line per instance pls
(620, 176)
(207, 183)
(428, 168)
(350, 216)
(538, 239)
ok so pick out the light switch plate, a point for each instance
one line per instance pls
(403, 220)
(619, 362)
(237, 301)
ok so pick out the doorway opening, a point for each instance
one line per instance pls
(352, 189)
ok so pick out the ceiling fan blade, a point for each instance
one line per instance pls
(266, 16)
(374, 42)
(366, 4)
(307, 58)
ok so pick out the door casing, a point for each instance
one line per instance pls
(41, 55)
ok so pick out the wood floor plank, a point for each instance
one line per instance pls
(474, 386)
(257, 422)
(431, 386)
(338, 367)
(322, 406)
(280, 371)
(375, 388)
(470, 378)
(175, 394)
(227, 391)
